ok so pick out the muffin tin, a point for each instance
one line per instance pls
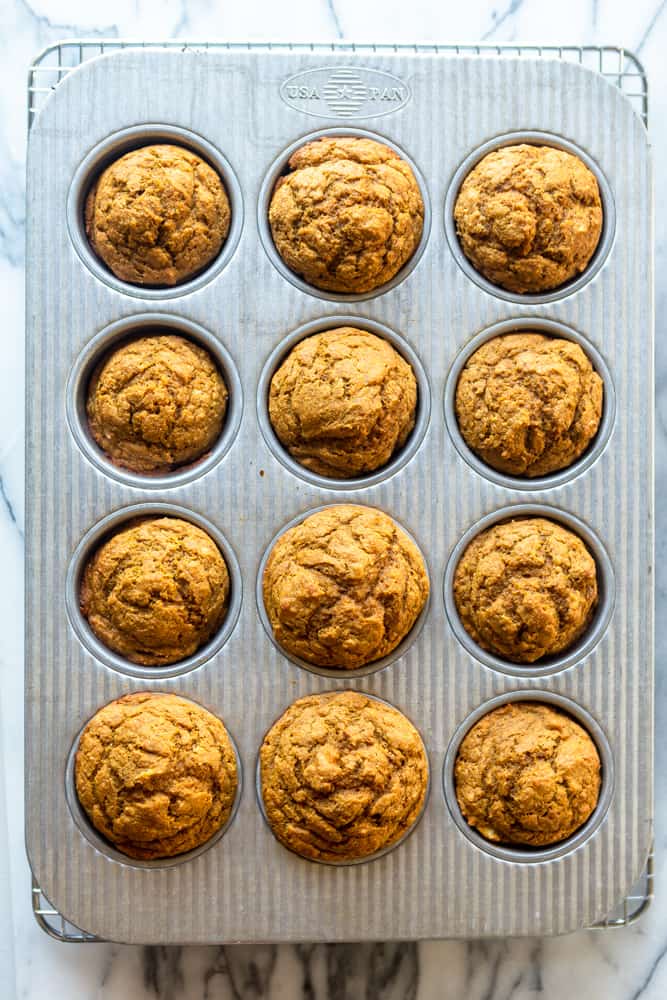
(443, 110)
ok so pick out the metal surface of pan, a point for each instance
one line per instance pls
(437, 883)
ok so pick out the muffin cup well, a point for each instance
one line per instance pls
(354, 861)
(340, 673)
(601, 617)
(605, 242)
(279, 167)
(112, 148)
(532, 855)
(549, 328)
(86, 548)
(401, 456)
(144, 324)
(107, 848)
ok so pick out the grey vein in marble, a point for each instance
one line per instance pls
(499, 19)
(334, 17)
(62, 27)
(650, 26)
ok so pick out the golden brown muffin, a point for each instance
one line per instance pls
(526, 589)
(528, 404)
(156, 774)
(157, 215)
(343, 776)
(156, 403)
(156, 590)
(344, 587)
(342, 402)
(529, 217)
(527, 773)
(347, 215)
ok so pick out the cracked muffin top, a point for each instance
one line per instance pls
(529, 218)
(528, 404)
(344, 587)
(156, 774)
(157, 215)
(156, 590)
(527, 773)
(342, 776)
(156, 403)
(342, 402)
(526, 589)
(347, 215)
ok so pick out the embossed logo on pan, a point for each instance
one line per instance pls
(345, 92)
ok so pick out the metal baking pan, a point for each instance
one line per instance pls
(243, 107)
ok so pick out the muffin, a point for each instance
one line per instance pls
(157, 215)
(342, 402)
(347, 214)
(529, 218)
(526, 589)
(527, 773)
(156, 403)
(344, 587)
(528, 404)
(156, 590)
(342, 776)
(156, 774)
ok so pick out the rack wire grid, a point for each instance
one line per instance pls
(617, 64)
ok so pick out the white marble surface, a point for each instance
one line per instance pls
(617, 965)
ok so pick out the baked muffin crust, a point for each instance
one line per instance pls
(528, 404)
(347, 215)
(157, 215)
(527, 773)
(155, 403)
(155, 590)
(156, 774)
(526, 589)
(342, 776)
(529, 218)
(342, 402)
(344, 587)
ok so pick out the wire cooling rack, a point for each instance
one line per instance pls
(616, 64)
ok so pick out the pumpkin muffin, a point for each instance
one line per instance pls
(157, 215)
(344, 587)
(156, 403)
(156, 774)
(156, 590)
(347, 214)
(526, 589)
(342, 776)
(529, 218)
(528, 404)
(527, 773)
(343, 402)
